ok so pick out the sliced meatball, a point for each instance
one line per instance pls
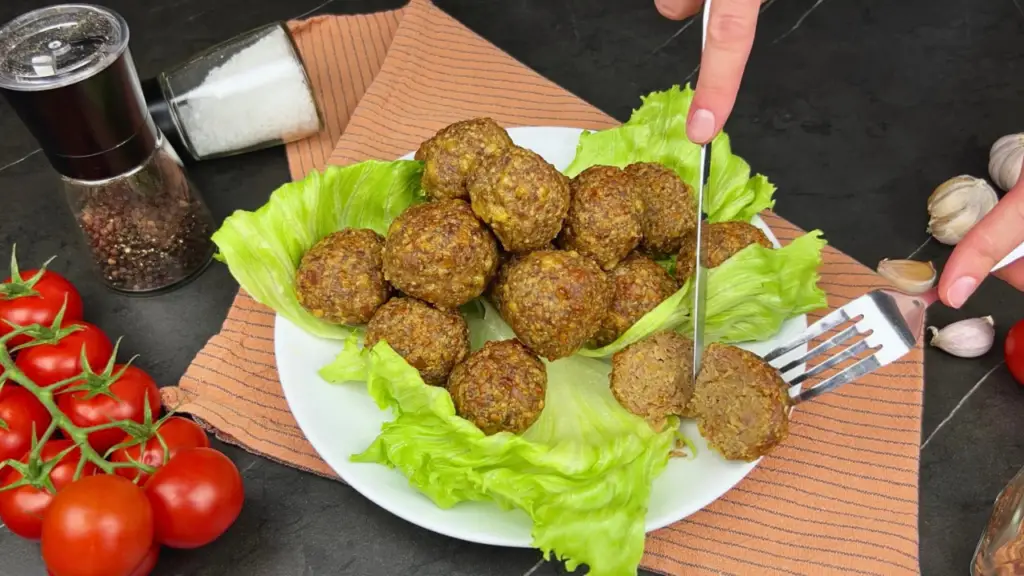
(653, 378)
(722, 240)
(604, 218)
(500, 388)
(451, 155)
(521, 197)
(439, 252)
(639, 284)
(341, 278)
(431, 340)
(670, 207)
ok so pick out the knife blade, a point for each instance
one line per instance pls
(699, 272)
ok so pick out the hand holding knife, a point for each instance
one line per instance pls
(699, 271)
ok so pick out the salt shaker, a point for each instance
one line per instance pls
(1000, 550)
(68, 73)
(244, 94)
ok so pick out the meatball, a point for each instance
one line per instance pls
(721, 241)
(451, 155)
(521, 197)
(341, 279)
(432, 341)
(653, 378)
(440, 252)
(604, 219)
(499, 388)
(554, 300)
(741, 403)
(670, 207)
(639, 284)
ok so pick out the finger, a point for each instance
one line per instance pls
(731, 30)
(995, 236)
(678, 9)
(1013, 274)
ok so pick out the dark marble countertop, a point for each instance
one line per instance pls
(856, 109)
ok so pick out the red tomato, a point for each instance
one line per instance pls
(1014, 351)
(21, 509)
(39, 308)
(98, 526)
(19, 410)
(149, 562)
(124, 399)
(178, 434)
(47, 364)
(196, 497)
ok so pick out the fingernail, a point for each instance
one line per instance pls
(960, 291)
(701, 127)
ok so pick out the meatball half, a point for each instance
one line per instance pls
(451, 155)
(341, 278)
(741, 403)
(500, 388)
(639, 284)
(432, 341)
(670, 207)
(521, 197)
(439, 252)
(554, 300)
(604, 218)
(722, 240)
(653, 378)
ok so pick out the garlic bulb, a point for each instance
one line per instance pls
(967, 338)
(957, 205)
(908, 276)
(1004, 160)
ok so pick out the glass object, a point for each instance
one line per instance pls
(68, 73)
(247, 93)
(1000, 551)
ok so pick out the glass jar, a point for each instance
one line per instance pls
(247, 93)
(1000, 551)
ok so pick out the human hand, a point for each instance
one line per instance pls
(730, 36)
(984, 246)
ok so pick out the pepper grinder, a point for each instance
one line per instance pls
(69, 75)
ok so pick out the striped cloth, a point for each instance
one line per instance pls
(839, 497)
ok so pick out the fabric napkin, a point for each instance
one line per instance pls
(839, 497)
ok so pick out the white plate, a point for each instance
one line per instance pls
(342, 420)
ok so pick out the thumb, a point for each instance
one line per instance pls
(678, 9)
(992, 238)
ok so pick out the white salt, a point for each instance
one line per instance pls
(260, 95)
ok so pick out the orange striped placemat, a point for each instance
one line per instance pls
(840, 497)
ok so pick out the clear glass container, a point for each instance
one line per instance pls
(247, 93)
(1000, 551)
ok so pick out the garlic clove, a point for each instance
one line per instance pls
(910, 276)
(1004, 160)
(967, 338)
(956, 205)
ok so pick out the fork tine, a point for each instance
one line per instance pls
(850, 352)
(834, 341)
(827, 322)
(859, 369)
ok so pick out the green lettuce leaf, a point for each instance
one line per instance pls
(263, 249)
(583, 472)
(749, 296)
(656, 132)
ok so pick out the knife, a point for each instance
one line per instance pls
(699, 272)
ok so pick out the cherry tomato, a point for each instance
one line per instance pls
(47, 364)
(196, 497)
(178, 434)
(124, 399)
(21, 508)
(101, 525)
(40, 308)
(1014, 351)
(19, 411)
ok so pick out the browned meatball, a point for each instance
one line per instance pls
(451, 155)
(554, 300)
(341, 280)
(500, 388)
(653, 378)
(721, 241)
(432, 341)
(670, 207)
(440, 252)
(741, 403)
(604, 216)
(521, 197)
(639, 284)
